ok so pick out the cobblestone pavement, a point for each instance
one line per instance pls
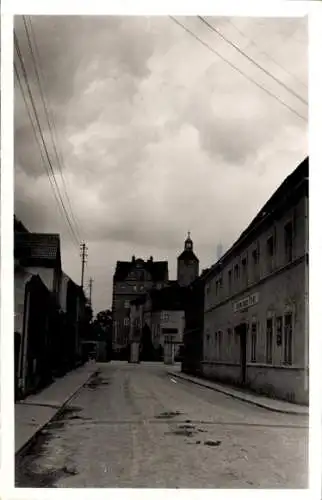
(135, 427)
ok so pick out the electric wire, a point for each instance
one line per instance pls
(232, 44)
(268, 56)
(39, 143)
(205, 44)
(50, 122)
(16, 43)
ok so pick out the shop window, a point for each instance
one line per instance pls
(127, 304)
(288, 338)
(288, 242)
(253, 342)
(269, 340)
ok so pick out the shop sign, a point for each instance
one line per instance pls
(246, 302)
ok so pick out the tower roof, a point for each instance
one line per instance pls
(188, 254)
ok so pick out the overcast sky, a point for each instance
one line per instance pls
(158, 135)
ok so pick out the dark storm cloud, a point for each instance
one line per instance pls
(157, 134)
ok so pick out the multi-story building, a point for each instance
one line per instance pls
(131, 280)
(256, 299)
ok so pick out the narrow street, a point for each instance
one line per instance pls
(134, 426)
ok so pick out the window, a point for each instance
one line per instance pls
(229, 280)
(207, 289)
(288, 338)
(279, 328)
(219, 344)
(127, 304)
(126, 321)
(269, 340)
(164, 316)
(217, 287)
(270, 253)
(236, 272)
(255, 258)
(141, 288)
(134, 288)
(288, 242)
(253, 342)
(244, 271)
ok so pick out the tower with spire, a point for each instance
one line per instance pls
(188, 264)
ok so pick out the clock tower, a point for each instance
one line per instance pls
(188, 264)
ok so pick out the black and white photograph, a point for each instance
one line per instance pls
(161, 252)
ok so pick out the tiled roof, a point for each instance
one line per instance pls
(36, 246)
(158, 269)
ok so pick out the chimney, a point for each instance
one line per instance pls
(133, 258)
(151, 259)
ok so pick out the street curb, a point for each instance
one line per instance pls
(241, 398)
(24, 448)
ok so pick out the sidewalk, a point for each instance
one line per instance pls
(248, 397)
(34, 412)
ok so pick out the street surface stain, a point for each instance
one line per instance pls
(212, 443)
(28, 474)
(169, 414)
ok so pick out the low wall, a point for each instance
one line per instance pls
(222, 372)
(279, 382)
(273, 381)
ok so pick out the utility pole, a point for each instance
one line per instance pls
(84, 255)
(90, 285)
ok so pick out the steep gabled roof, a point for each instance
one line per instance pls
(37, 247)
(158, 270)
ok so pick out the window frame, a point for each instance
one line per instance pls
(269, 343)
(253, 344)
(288, 346)
(289, 248)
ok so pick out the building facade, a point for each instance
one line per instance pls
(194, 326)
(131, 280)
(256, 300)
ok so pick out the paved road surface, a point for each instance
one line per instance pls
(135, 427)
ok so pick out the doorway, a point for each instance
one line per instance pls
(241, 331)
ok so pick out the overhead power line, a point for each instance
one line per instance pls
(240, 51)
(39, 146)
(16, 43)
(49, 115)
(274, 96)
(262, 51)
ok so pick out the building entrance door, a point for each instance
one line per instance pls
(241, 330)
